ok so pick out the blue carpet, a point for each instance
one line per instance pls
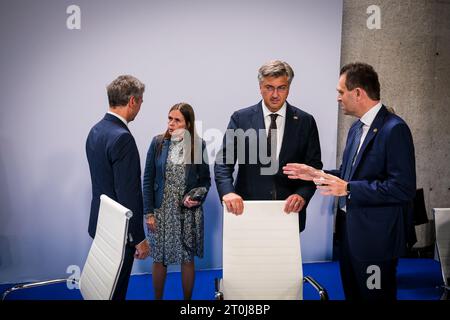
(418, 279)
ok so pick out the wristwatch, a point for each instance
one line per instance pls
(348, 188)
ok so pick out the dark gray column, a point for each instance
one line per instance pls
(411, 53)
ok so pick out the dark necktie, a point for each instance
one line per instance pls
(273, 127)
(351, 157)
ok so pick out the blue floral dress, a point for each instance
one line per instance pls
(179, 230)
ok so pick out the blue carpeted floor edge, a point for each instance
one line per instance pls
(418, 279)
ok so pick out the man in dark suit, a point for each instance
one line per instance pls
(264, 137)
(376, 184)
(116, 170)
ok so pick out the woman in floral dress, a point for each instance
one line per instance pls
(175, 166)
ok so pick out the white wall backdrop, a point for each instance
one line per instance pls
(205, 52)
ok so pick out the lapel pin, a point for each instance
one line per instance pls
(375, 130)
(295, 118)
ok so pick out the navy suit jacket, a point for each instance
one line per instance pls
(382, 188)
(115, 171)
(196, 175)
(300, 144)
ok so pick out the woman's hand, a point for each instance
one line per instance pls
(188, 203)
(150, 220)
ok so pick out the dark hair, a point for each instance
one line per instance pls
(362, 75)
(189, 117)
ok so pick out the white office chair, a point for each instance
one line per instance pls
(442, 225)
(262, 256)
(104, 262)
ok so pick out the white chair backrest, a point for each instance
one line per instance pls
(442, 225)
(261, 253)
(104, 262)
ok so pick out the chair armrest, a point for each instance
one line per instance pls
(321, 290)
(33, 285)
(218, 287)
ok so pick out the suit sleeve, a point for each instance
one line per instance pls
(149, 178)
(399, 185)
(224, 165)
(312, 158)
(336, 172)
(127, 183)
(204, 174)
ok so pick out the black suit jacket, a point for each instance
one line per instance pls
(115, 171)
(300, 144)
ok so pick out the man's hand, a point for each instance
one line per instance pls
(294, 203)
(142, 250)
(150, 221)
(234, 203)
(188, 203)
(300, 171)
(330, 185)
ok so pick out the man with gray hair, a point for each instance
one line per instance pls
(278, 133)
(116, 169)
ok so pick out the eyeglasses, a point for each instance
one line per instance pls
(272, 89)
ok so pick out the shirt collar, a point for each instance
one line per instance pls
(267, 112)
(370, 115)
(120, 117)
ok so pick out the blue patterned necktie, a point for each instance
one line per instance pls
(351, 157)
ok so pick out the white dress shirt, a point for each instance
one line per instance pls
(367, 120)
(281, 120)
(120, 117)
